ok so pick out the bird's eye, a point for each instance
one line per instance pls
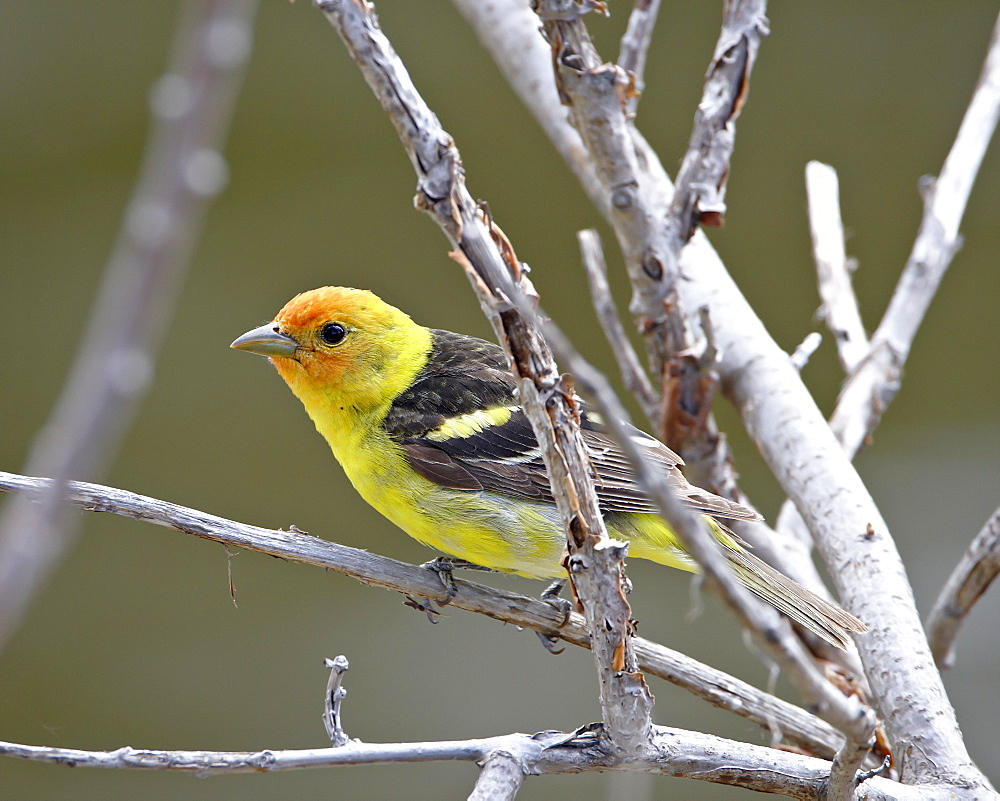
(333, 333)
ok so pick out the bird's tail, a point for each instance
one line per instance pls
(821, 617)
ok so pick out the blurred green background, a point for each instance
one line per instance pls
(135, 640)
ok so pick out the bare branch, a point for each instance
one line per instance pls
(840, 306)
(874, 380)
(225, 762)
(630, 178)
(700, 189)
(783, 420)
(639, 189)
(673, 752)
(698, 198)
(971, 577)
(632, 371)
(183, 170)
(872, 387)
(712, 685)
(635, 48)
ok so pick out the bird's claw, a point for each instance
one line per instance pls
(562, 606)
(444, 566)
(423, 605)
(549, 642)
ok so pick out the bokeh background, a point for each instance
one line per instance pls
(135, 639)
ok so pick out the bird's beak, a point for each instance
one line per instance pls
(268, 340)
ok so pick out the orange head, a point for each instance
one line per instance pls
(342, 349)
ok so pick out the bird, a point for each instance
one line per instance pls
(428, 428)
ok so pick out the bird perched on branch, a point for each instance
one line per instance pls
(428, 428)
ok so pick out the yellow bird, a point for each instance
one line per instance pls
(428, 428)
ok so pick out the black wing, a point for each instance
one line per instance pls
(460, 426)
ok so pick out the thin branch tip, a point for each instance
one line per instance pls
(335, 694)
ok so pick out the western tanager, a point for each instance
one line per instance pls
(428, 428)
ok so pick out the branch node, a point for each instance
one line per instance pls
(335, 694)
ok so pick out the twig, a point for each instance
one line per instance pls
(632, 177)
(182, 171)
(594, 561)
(875, 380)
(698, 197)
(635, 48)
(840, 306)
(674, 752)
(783, 420)
(856, 721)
(700, 188)
(714, 686)
(632, 371)
(872, 387)
(335, 694)
(206, 763)
(971, 577)
(807, 347)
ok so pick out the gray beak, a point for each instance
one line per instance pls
(268, 340)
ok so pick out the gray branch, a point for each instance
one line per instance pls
(971, 577)
(635, 48)
(700, 189)
(840, 307)
(874, 378)
(509, 31)
(673, 752)
(182, 171)
(633, 374)
(639, 196)
(636, 201)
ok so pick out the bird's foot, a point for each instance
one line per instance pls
(444, 566)
(561, 605)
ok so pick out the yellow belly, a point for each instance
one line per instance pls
(507, 534)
